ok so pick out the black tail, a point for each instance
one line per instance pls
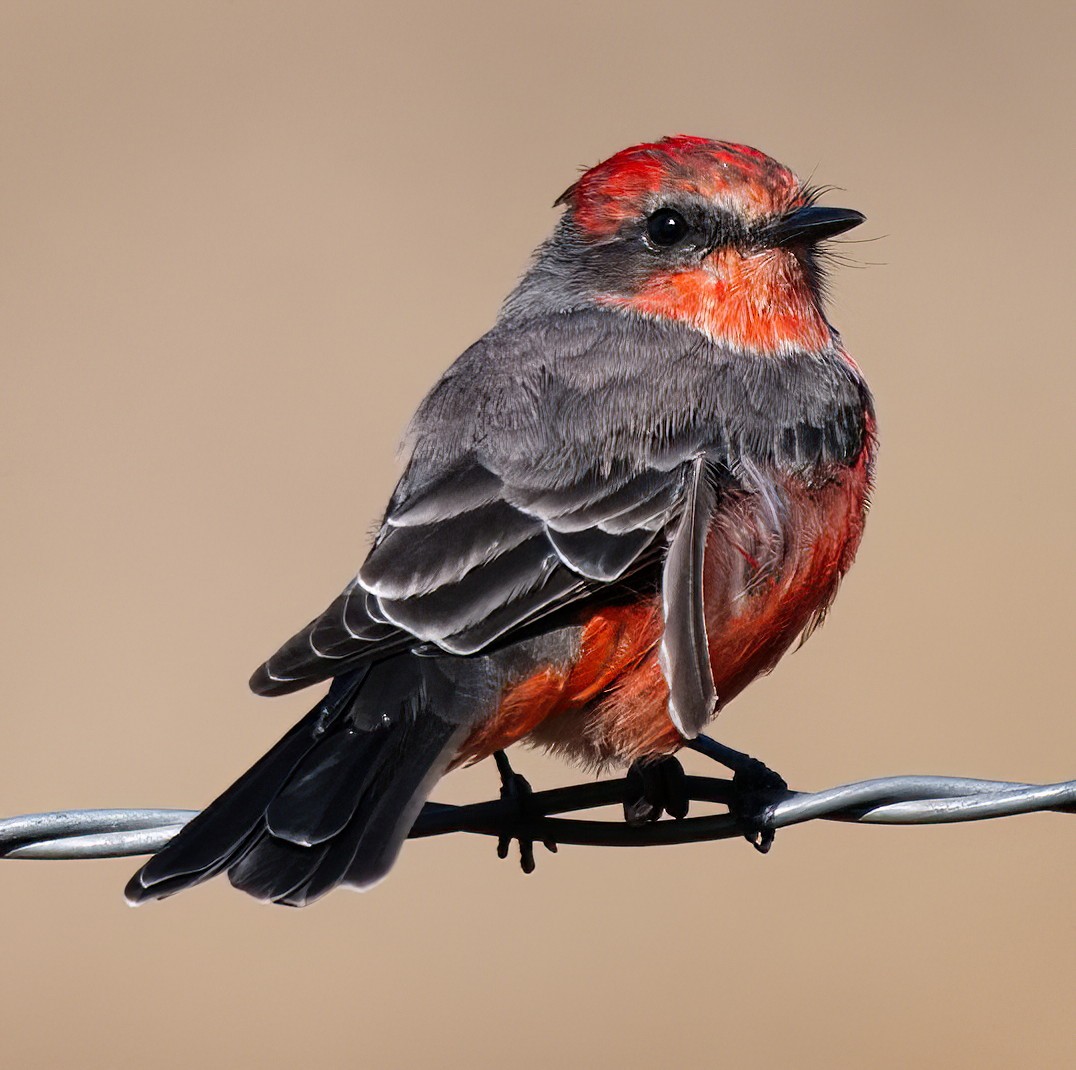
(330, 804)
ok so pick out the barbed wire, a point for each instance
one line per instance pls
(897, 800)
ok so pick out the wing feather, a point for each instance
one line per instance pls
(462, 490)
(549, 465)
(685, 652)
(483, 569)
(411, 562)
(597, 555)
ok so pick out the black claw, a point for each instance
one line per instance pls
(655, 786)
(516, 792)
(759, 788)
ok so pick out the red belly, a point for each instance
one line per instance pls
(611, 703)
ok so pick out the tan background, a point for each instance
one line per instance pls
(239, 242)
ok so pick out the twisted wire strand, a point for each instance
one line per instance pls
(897, 800)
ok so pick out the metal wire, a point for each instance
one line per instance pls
(899, 800)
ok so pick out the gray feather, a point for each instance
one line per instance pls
(685, 654)
(597, 555)
(412, 561)
(449, 609)
(461, 490)
(571, 430)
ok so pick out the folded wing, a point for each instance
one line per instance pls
(471, 558)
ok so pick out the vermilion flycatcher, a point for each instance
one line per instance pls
(621, 506)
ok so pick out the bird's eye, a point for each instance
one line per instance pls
(666, 227)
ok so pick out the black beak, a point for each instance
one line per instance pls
(813, 224)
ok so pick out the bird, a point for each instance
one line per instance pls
(619, 507)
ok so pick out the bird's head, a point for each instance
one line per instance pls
(716, 235)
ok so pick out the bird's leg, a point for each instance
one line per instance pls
(758, 789)
(655, 785)
(516, 793)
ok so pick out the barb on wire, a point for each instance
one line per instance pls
(899, 800)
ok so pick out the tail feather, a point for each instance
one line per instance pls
(331, 803)
(211, 841)
(396, 805)
(321, 796)
(271, 869)
(385, 804)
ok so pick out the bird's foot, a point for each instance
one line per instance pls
(757, 790)
(516, 793)
(655, 786)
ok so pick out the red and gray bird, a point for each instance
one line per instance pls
(619, 507)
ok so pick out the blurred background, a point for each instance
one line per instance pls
(239, 243)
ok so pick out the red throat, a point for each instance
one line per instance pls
(761, 302)
(757, 300)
